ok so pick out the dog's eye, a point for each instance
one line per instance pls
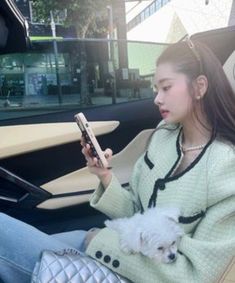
(173, 243)
(160, 248)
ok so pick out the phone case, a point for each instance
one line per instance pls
(90, 138)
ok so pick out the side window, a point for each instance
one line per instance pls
(55, 76)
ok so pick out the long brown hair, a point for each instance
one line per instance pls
(218, 103)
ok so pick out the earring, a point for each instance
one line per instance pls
(198, 97)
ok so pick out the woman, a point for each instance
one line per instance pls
(189, 163)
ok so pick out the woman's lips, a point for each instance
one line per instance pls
(164, 113)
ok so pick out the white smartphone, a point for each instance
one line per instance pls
(90, 138)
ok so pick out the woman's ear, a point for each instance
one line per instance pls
(201, 86)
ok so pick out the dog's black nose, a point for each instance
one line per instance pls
(171, 256)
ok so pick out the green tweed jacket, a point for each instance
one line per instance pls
(205, 194)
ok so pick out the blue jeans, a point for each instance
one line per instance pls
(21, 246)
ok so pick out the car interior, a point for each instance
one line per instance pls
(44, 180)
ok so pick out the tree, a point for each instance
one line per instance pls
(89, 17)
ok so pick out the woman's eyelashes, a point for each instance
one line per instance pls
(166, 88)
(163, 88)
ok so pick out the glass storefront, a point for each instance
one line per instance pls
(81, 73)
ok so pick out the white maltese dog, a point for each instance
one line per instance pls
(155, 233)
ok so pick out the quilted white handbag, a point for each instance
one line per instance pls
(71, 266)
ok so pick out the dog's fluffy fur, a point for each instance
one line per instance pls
(155, 233)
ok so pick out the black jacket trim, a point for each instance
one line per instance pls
(179, 155)
(196, 160)
(191, 219)
(148, 161)
(160, 183)
(168, 177)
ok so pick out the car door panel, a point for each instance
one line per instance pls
(56, 166)
(44, 165)
(22, 139)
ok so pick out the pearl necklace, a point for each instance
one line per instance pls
(191, 148)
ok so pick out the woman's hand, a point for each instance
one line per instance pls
(104, 174)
